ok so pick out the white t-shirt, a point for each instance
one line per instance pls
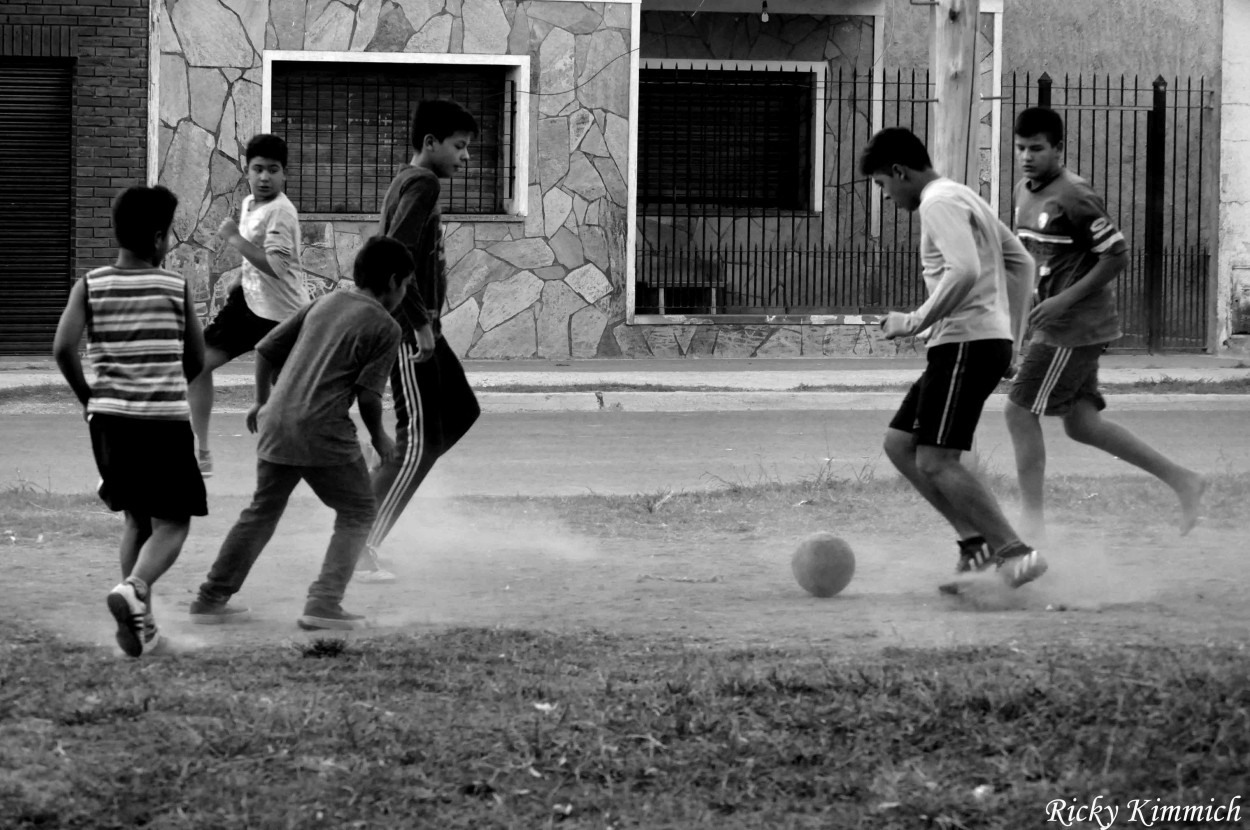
(978, 273)
(273, 226)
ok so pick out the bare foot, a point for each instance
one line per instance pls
(1191, 500)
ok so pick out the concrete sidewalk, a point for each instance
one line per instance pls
(730, 384)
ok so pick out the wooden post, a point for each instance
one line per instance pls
(954, 69)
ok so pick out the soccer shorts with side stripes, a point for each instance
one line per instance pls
(1053, 378)
(943, 407)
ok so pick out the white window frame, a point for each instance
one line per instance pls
(518, 72)
(818, 69)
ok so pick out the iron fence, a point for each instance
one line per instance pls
(1142, 148)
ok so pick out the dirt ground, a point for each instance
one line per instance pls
(722, 583)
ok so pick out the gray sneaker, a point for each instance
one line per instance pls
(205, 460)
(215, 613)
(323, 616)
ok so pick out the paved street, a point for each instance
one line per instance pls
(552, 453)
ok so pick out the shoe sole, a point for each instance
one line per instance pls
(220, 619)
(370, 578)
(322, 624)
(131, 641)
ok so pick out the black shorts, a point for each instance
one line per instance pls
(236, 329)
(1053, 378)
(943, 407)
(148, 467)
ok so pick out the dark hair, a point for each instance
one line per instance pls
(380, 261)
(891, 146)
(266, 146)
(1040, 121)
(440, 119)
(139, 214)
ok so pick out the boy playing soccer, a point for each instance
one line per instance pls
(143, 342)
(1079, 252)
(434, 404)
(270, 288)
(979, 279)
(330, 353)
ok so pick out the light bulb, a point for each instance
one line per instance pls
(764, 13)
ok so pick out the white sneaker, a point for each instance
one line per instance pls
(375, 575)
(130, 613)
(152, 640)
(1022, 569)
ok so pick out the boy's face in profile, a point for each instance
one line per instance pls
(896, 185)
(266, 177)
(448, 156)
(395, 293)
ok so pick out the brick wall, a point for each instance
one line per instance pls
(109, 39)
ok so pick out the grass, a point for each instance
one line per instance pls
(504, 728)
(499, 728)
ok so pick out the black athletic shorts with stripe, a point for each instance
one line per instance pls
(942, 409)
(1053, 378)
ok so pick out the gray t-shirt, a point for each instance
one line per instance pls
(324, 352)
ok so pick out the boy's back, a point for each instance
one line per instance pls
(325, 351)
(135, 324)
(411, 214)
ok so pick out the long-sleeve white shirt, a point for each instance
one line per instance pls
(979, 276)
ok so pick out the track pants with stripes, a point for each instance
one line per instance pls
(434, 408)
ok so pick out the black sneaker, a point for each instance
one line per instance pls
(323, 616)
(974, 556)
(216, 613)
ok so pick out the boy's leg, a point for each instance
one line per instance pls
(954, 483)
(901, 449)
(346, 490)
(1084, 423)
(1029, 444)
(248, 537)
(200, 399)
(135, 532)
(418, 431)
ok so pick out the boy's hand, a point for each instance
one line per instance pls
(425, 343)
(384, 446)
(894, 325)
(1046, 312)
(252, 415)
(228, 229)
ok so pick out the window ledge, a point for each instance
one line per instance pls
(373, 217)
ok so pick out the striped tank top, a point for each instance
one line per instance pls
(135, 325)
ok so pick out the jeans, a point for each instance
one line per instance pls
(344, 488)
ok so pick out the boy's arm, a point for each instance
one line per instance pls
(257, 256)
(416, 203)
(371, 383)
(192, 338)
(948, 227)
(370, 403)
(68, 335)
(1021, 282)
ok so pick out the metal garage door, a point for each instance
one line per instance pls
(36, 165)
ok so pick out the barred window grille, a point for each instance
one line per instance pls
(726, 138)
(346, 125)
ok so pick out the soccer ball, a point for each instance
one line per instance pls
(823, 564)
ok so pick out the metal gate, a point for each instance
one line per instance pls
(726, 231)
(1144, 149)
(36, 157)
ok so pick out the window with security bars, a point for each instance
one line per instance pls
(346, 125)
(726, 138)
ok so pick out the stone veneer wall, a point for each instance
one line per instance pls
(550, 284)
